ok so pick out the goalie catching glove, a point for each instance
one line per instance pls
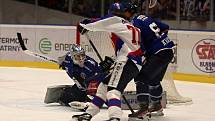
(107, 63)
(61, 59)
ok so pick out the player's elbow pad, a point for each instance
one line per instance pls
(82, 30)
(166, 31)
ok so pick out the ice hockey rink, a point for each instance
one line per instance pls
(22, 91)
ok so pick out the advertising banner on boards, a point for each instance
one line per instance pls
(194, 52)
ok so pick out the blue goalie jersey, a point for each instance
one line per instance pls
(84, 74)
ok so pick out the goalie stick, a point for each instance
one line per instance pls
(43, 57)
(93, 46)
(100, 58)
(37, 55)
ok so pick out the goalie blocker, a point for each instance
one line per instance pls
(69, 93)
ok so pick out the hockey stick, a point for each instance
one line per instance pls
(37, 55)
(100, 58)
(43, 57)
(93, 46)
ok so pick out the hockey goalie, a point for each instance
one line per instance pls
(85, 72)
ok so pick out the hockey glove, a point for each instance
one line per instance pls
(86, 21)
(107, 63)
(81, 29)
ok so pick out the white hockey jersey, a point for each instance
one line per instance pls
(125, 31)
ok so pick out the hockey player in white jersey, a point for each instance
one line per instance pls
(125, 38)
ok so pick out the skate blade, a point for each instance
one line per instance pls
(78, 105)
(146, 117)
(178, 103)
(157, 113)
(76, 119)
(138, 119)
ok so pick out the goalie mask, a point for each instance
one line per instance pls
(77, 54)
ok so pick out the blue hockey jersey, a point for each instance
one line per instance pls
(90, 71)
(153, 34)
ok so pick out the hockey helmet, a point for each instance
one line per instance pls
(115, 7)
(77, 54)
(130, 7)
(123, 7)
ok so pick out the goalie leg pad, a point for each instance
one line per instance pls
(54, 93)
(65, 94)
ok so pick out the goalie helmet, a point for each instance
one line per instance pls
(77, 54)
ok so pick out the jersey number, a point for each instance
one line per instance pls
(135, 34)
(153, 26)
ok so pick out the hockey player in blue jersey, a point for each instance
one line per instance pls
(158, 54)
(84, 70)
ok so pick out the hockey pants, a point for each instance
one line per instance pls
(148, 84)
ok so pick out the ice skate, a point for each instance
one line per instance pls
(79, 105)
(141, 115)
(82, 117)
(156, 109)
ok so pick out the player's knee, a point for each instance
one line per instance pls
(114, 94)
(138, 82)
(114, 99)
(102, 91)
(143, 77)
(155, 87)
(156, 90)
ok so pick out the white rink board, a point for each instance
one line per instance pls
(58, 37)
(54, 41)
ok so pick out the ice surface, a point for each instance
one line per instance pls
(22, 92)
